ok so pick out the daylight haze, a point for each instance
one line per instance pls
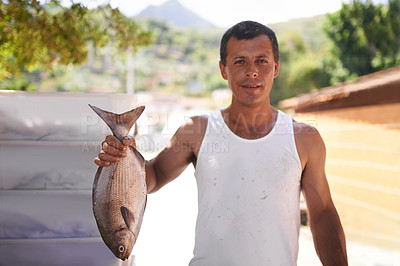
(225, 13)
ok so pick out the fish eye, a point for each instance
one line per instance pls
(121, 249)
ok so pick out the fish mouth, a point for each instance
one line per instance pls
(128, 251)
(124, 256)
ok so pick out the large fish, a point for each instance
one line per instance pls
(119, 190)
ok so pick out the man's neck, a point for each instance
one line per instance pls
(250, 122)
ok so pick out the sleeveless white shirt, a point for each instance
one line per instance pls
(248, 197)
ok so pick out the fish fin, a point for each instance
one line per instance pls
(130, 117)
(120, 124)
(128, 217)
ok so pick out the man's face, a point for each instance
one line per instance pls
(250, 69)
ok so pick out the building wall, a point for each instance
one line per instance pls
(363, 169)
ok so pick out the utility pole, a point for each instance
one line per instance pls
(130, 72)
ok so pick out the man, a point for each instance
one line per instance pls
(249, 191)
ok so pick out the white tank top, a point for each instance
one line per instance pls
(248, 197)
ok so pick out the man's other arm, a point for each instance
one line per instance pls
(325, 225)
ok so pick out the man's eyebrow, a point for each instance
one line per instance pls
(244, 57)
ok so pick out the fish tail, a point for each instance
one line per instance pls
(120, 124)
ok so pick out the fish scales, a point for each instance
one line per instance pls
(119, 190)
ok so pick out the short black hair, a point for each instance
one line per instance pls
(248, 30)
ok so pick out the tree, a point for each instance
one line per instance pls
(301, 69)
(35, 35)
(366, 36)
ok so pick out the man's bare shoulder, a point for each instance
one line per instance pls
(191, 133)
(304, 130)
(200, 120)
(308, 139)
(195, 125)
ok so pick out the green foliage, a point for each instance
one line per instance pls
(21, 83)
(182, 60)
(366, 36)
(309, 29)
(301, 70)
(37, 36)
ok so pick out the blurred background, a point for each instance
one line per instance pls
(339, 71)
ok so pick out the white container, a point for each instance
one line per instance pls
(57, 116)
(47, 145)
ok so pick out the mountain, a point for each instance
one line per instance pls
(176, 13)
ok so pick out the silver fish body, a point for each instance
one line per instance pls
(119, 190)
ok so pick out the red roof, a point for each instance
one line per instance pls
(376, 88)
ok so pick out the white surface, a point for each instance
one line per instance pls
(57, 116)
(46, 214)
(167, 234)
(56, 252)
(47, 165)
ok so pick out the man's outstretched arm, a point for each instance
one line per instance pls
(169, 163)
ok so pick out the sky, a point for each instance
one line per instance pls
(225, 13)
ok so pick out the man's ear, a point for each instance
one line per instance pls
(276, 70)
(222, 68)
